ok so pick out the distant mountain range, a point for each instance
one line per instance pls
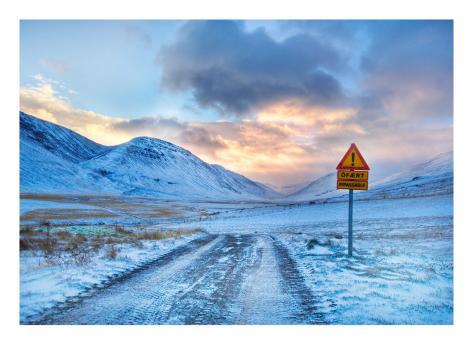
(54, 159)
(286, 190)
(433, 177)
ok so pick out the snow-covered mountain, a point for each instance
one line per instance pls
(432, 177)
(58, 140)
(50, 157)
(320, 188)
(55, 159)
(286, 190)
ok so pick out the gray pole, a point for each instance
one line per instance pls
(350, 223)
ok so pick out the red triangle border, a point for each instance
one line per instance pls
(365, 165)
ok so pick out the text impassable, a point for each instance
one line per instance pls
(352, 185)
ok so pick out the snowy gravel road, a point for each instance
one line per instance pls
(217, 279)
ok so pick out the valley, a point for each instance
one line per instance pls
(147, 233)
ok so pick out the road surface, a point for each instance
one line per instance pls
(218, 279)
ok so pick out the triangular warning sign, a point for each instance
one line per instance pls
(353, 160)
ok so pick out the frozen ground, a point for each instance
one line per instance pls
(219, 279)
(281, 217)
(402, 272)
(45, 285)
(266, 264)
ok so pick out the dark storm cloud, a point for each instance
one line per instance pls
(173, 129)
(145, 124)
(236, 71)
(202, 138)
(407, 72)
(404, 71)
(340, 32)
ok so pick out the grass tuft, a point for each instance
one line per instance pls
(112, 252)
(67, 245)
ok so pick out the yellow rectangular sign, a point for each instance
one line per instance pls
(352, 175)
(352, 185)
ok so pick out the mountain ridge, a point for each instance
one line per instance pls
(434, 176)
(54, 158)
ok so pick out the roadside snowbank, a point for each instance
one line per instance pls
(43, 286)
(401, 272)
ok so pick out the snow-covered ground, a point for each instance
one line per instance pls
(44, 285)
(402, 270)
(274, 218)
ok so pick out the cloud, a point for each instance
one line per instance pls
(295, 118)
(202, 139)
(287, 142)
(407, 72)
(261, 149)
(44, 101)
(195, 137)
(238, 72)
(149, 124)
(399, 72)
(344, 35)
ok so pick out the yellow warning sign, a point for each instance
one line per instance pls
(352, 185)
(352, 175)
(353, 160)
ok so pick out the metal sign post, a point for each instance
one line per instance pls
(352, 175)
(350, 223)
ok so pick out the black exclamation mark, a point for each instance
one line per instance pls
(353, 159)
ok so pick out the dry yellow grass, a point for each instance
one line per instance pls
(46, 197)
(134, 206)
(64, 214)
(61, 245)
(166, 233)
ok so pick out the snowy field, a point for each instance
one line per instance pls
(401, 272)
(45, 284)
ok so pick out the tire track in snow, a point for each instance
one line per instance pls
(275, 292)
(216, 280)
(68, 313)
(224, 279)
(308, 312)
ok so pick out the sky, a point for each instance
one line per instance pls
(277, 101)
